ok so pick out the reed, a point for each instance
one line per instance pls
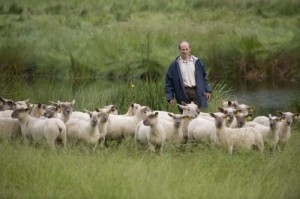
(111, 39)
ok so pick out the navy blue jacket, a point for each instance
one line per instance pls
(174, 83)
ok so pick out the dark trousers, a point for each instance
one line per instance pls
(191, 94)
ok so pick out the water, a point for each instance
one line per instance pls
(267, 96)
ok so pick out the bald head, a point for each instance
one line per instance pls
(185, 49)
(184, 44)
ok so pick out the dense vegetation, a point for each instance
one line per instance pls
(250, 38)
(135, 39)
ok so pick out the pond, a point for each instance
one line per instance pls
(266, 96)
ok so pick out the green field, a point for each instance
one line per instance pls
(119, 42)
(126, 172)
(251, 39)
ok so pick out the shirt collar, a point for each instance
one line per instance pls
(181, 60)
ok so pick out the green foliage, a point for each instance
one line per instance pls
(114, 38)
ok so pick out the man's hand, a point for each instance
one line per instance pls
(173, 102)
(208, 96)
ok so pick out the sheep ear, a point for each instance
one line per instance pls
(73, 102)
(180, 106)
(183, 103)
(171, 114)
(229, 103)
(227, 117)
(280, 112)
(156, 114)
(221, 109)
(54, 103)
(282, 118)
(251, 109)
(296, 115)
(249, 117)
(237, 112)
(27, 109)
(212, 114)
(27, 103)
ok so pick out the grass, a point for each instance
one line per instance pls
(124, 171)
(113, 38)
(117, 40)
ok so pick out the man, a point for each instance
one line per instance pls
(186, 79)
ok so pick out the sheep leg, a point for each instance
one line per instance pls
(94, 148)
(25, 141)
(102, 143)
(151, 147)
(230, 149)
(51, 143)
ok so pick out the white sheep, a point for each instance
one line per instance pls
(263, 120)
(52, 112)
(173, 130)
(132, 109)
(150, 132)
(66, 109)
(231, 138)
(102, 126)
(269, 133)
(7, 104)
(246, 109)
(40, 128)
(6, 113)
(202, 131)
(10, 128)
(38, 110)
(120, 127)
(87, 131)
(284, 127)
(229, 103)
(230, 113)
(110, 109)
(190, 110)
(240, 119)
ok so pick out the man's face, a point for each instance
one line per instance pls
(184, 50)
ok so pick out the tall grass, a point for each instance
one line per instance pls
(95, 93)
(126, 172)
(111, 38)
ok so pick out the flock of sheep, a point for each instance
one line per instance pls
(229, 128)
